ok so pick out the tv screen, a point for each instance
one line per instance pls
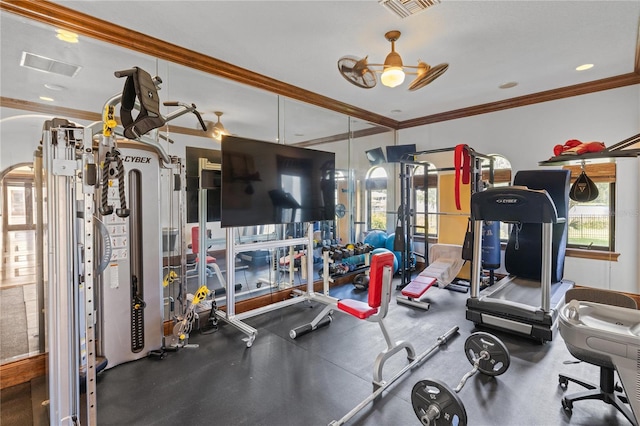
(375, 156)
(269, 183)
(395, 153)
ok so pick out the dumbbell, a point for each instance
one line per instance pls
(436, 404)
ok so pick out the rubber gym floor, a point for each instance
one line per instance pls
(321, 376)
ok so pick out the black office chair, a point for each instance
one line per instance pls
(608, 391)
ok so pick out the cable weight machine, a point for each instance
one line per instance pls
(70, 176)
(406, 211)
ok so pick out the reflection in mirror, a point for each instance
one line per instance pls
(245, 111)
(21, 298)
(367, 140)
(86, 89)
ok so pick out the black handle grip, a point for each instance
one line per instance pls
(197, 114)
(125, 73)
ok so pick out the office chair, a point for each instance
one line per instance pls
(607, 390)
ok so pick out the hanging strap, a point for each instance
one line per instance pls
(462, 160)
(139, 85)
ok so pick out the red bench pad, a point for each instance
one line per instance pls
(210, 259)
(356, 308)
(418, 286)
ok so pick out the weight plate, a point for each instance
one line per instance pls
(498, 360)
(436, 404)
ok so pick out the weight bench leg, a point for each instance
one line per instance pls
(409, 301)
(392, 349)
(322, 319)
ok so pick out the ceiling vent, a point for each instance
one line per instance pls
(41, 63)
(406, 8)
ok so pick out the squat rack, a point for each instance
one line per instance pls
(406, 209)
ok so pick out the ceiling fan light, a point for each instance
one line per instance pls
(217, 130)
(392, 76)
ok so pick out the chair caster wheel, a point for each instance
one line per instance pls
(563, 381)
(567, 406)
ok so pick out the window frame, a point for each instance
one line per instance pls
(420, 184)
(600, 173)
(375, 183)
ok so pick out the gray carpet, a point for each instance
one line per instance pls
(13, 324)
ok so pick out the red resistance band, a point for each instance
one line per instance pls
(461, 159)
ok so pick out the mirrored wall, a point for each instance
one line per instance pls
(44, 77)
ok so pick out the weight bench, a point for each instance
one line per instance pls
(445, 262)
(285, 260)
(374, 310)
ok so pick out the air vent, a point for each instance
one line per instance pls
(406, 8)
(40, 63)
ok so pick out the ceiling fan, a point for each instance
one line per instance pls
(362, 74)
(216, 130)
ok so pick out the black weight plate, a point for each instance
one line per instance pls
(499, 358)
(438, 398)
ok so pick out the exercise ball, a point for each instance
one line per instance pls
(376, 238)
(389, 245)
(384, 250)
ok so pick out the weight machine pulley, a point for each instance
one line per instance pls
(436, 404)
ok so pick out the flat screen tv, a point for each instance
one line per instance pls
(269, 183)
(395, 153)
(375, 156)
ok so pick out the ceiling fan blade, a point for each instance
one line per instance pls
(356, 71)
(428, 76)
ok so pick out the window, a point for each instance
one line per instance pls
(501, 177)
(591, 224)
(376, 187)
(425, 195)
(17, 226)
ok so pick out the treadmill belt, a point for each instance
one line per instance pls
(528, 292)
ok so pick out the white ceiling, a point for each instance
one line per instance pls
(486, 43)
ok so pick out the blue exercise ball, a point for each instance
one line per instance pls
(398, 254)
(376, 238)
(390, 242)
(395, 258)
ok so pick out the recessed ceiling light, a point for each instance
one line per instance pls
(56, 87)
(584, 67)
(67, 36)
(46, 98)
(298, 134)
(396, 111)
(508, 85)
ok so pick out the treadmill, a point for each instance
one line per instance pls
(527, 301)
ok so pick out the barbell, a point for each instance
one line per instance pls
(436, 404)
